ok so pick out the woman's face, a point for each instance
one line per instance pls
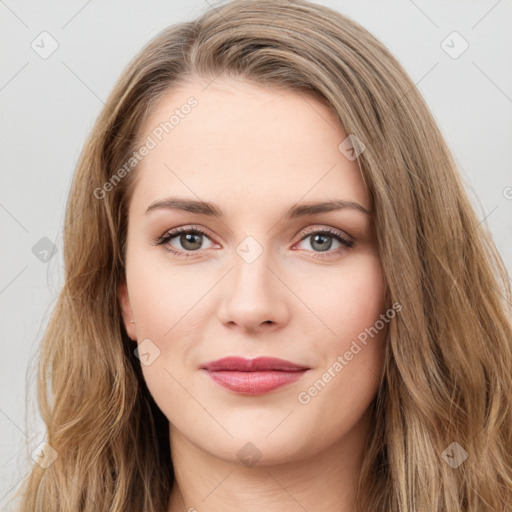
(256, 282)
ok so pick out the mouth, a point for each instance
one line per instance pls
(253, 376)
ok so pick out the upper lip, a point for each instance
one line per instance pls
(241, 364)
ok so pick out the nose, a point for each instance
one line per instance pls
(254, 298)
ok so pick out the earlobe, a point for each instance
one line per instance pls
(126, 310)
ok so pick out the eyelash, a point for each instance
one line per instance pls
(169, 235)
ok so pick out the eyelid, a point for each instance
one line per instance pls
(329, 230)
(174, 232)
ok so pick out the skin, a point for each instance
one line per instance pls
(254, 151)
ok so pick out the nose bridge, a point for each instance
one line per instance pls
(251, 274)
(252, 295)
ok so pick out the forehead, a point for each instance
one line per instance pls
(241, 141)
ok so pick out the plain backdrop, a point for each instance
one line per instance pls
(49, 105)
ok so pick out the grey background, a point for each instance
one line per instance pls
(49, 106)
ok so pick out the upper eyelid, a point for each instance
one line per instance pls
(337, 231)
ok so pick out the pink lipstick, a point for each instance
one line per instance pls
(253, 376)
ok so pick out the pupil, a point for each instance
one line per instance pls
(189, 239)
(324, 237)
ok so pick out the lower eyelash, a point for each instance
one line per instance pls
(172, 234)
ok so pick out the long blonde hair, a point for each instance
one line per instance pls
(448, 356)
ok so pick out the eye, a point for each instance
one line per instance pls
(321, 241)
(190, 239)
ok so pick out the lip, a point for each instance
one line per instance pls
(253, 376)
(240, 364)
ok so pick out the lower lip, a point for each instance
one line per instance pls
(254, 383)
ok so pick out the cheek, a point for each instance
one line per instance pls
(345, 383)
(346, 302)
(163, 297)
(167, 305)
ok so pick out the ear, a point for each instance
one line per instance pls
(126, 310)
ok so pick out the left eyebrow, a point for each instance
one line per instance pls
(301, 210)
(292, 212)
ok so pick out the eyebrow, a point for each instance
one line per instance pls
(292, 212)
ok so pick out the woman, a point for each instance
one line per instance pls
(207, 353)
